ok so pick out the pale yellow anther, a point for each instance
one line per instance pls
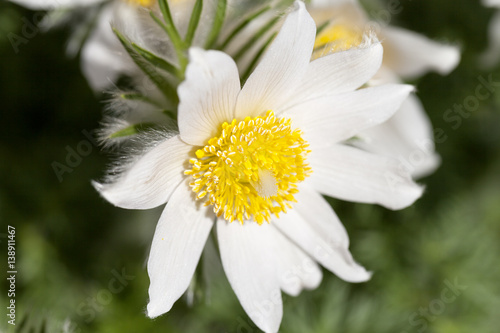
(143, 3)
(248, 165)
(260, 177)
(336, 37)
(200, 153)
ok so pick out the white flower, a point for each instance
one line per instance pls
(491, 3)
(102, 54)
(407, 136)
(149, 104)
(51, 4)
(265, 152)
(104, 58)
(491, 56)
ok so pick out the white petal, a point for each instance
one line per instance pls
(351, 174)
(178, 242)
(492, 55)
(338, 73)
(384, 75)
(103, 57)
(282, 67)
(151, 180)
(492, 3)
(53, 4)
(324, 221)
(331, 3)
(344, 12)
(411, 54)
(324, 248)
(296, 270)
(336, 118)
(207, 96)
(250, 267)
(407, 136)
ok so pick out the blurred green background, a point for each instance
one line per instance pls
(71, 244)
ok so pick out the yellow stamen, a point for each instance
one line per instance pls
(251, 169)
(336, 37)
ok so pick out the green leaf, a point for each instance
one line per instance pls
(159, 80)
(156, 60)
(43, 325)
(169, 27)
(171, 114)
(139, 97)
(22, 324)
(259, 54)
(255, 38)
(169, 23)
(220, 16)
(242, 25)
(193, 23)
(132, 130)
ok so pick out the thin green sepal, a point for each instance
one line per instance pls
(259, 54)
(255, 38)
(242, 25)
(220, 16)
(193, 23)
(131, 130)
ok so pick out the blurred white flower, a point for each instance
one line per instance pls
(407, 136)
(103, 56)
(264, 153)
(491, 56)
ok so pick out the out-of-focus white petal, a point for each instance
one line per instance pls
(331, 119)
(296, 270)
(103, 57)
(251, 269)
(282, 68)
(492, 3)
(352, 174)
(345, 12)
(491, 56)
(207, 96)
(324, 248)
(410, 54)
(329, 3)
(178, 242)
(338, 73)
(407, 136)
(54, 4)
(151, 180)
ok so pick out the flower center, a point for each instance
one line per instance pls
(336, 37)
(251, 169)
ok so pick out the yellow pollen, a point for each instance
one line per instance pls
(251, 169)
(142, 3)
(334, 38)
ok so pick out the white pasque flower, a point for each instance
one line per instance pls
(265, 152)
(491, 56)
(408, 136)
(102, 53)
